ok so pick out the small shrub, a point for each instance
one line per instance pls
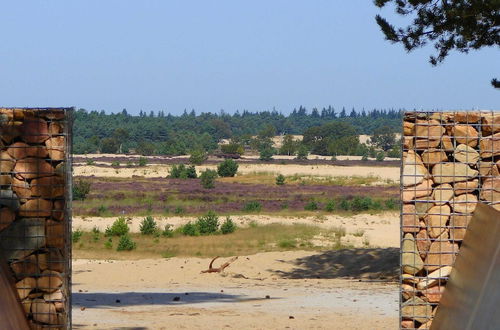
(167, 232)
(148, 226)
(130, 163)
(227, 168)
(280, 180)
(228, 226)
(143, 161)
(302, 153)
(115, 163)
(189, 229)
(126, 243)
(101, 209)
(90, 162)
(311, 206)
(253, 224)
(179, 210)
(391, 204)
(208, 179)
(208, 223)
(197, 157)
(287, 244)
(119, 228)
(361, 203)
(344, 204)
(81, 189)
(284, 205)
(109, 243)
(191, 172)
(76, 235)
(380, 156)
(182, 172)
(252, 206)
(266, 154)
(96, 234)
(364, 158)
(330, 206)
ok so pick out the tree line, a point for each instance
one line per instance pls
(325, 131)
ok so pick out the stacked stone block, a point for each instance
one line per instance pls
(34, 218)
(451, 160)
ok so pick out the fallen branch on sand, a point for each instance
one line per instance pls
(221, 268)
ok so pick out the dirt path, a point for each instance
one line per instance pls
(172, 294)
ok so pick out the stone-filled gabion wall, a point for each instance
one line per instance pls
(34, 211)
(451, 160)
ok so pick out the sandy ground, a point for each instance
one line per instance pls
(380, 230)
(156, 171)
(172, 294)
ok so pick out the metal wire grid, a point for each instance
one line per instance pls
(452, 161)
(35, 210)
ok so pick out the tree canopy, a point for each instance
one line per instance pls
(461, 25)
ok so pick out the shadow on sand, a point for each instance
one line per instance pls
(381, 264)
(118, 299)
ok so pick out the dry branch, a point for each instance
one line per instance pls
(219, 269)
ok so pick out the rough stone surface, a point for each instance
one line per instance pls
(465, 154)
(9, 199)
(22, 237)
(25, 286)
(419, 191)
(21, 150)
(55, 147)
(47, 187)
(44, 312)
(36, 208)
(453, 172)
(467, 117)
(458, 226)
(434, 156)
(446, 143)
(465, 134)
(412, 263)
(424, 144)
(428, 129)
(35, 130)
(422, 205)
(465, 187)
(433, 294)
(416, 309)
(49, 281)
(490, 146)
(440, 254)
(465, 203)
(491, 190)
(491, 123)
(437, 219)
(414, 171)
(30, 168)
(442, 194)
(410, 219)
(7, 216)
(439, 275)
(423, 243)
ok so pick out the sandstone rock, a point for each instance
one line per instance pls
(465, 134)
(436, 220)
(438, 276)
(490, 146)
(491, 123)
(465, 187)
(409, 279)
(49, 281)
(44, 312)
(467, 117)
(30, 168)
(419, 191)
(408, 128)
(408, 324)
(54, 233)
(53, 259)
(26, 267)
(491, 190)
(433, 294)
(10, 132)
(442, 116)
(55, 128)
(60, 170)
(442, 194)
(440, 254)
(422, 205)
(53, 114)
(58, 211)
(434, 156)
(426, 325)
(408, 291)
(408, 142)
(25, 286)
(428, 129)
(425, 144)
(36, 208)
(411, 261)
(34, 130)
(453, 172)
(444, 236)
(458, 226)
(423, 243)
(410, 219)
(21, 188)
(6, 162)
(7, 216)
(57, 298)
(21, 150)
(416, 309)
(5, 180)
(465, 154)
(22, 238)
(55, 147)
(9, 198)
(446, 143)
(465, 203)
(414, 171)
(26, 305)
(47, 187)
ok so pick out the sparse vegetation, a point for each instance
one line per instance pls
(126, 243)
(76, 235)
(118, 228)
(148, 226)
(280, 180)
(208, 179)
(182, 172)
(252, 206)
(208, 223)
(228, 168)
(81, 188)
(228, 226)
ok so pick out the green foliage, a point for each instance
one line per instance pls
(335, 138)
(384, 138)
(167, 231)
(179, 210)
(232, 148)
(148, 226)
(190, 229)
(182, 172)
(391, 204)
(208, 179)
(302, 152)
(76, 236)
(198, 157)
(395, 152)
(109, 243)
(109, 146)
(266, 154)
(252, 206)
(228, 226)
(143, 161)
(280, 180)
(102, 209)
(364, 158)
(330, 206)
(361, 204)
(287, 243)
(208, 223)
(96, 234)
(115, 163)
(90, 162)
(126, 243)
(81, 189)
(380, 156)
(289, 146)
(311, 206)
(118, 228)
(228, 168)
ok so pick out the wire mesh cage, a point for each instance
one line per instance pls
(451, 161)
(35, 244)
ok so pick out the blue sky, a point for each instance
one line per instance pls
(225, 54)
